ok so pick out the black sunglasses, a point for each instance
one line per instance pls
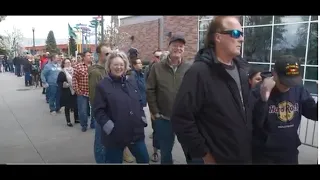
(107, 54)
(157, 56)
(233, 33)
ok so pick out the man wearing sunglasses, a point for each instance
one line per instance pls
(211, 115)
(96, 73)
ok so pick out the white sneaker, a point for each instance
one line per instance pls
(53, 113)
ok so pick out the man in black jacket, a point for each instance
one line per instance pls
(211, 115)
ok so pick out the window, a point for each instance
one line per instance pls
(312, 73)
(312, 87)
(257, 20)
(314, 18)
(290, 39)
(313, 45)
(290, 19)
(257, 43)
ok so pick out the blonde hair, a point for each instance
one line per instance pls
(112, 55)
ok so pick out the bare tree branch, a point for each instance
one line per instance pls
(11, 40)
(119, 40)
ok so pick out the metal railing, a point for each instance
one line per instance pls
(308, 131)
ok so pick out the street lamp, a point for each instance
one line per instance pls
(34, 44)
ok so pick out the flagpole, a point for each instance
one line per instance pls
(69, 46)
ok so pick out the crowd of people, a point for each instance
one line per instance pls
(221, 110)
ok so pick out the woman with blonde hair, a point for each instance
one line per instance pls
(119, 111)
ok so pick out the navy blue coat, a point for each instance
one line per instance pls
(118, 101)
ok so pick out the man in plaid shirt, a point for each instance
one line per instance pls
(80, 85)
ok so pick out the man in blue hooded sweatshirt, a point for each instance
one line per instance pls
(49, 76)
(277, 115)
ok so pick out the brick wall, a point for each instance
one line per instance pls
(187, 25)
(146, 37)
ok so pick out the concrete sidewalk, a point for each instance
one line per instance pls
(29, 134)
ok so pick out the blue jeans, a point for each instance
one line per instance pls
(52, 96)
(165, 137)
(99, 149)
(83, 106)
(138, 150)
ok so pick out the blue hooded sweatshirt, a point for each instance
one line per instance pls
(50, 73)
(276, 122)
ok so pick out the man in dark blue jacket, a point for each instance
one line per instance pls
(277, 116)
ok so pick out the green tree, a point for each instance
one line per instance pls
(72, 46)
(51, 44)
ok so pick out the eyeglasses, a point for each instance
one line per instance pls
(157, 56)
(107, 54)
(233, 33)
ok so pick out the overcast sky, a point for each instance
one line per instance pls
(43, 24)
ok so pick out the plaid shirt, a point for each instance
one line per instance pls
(80, 82)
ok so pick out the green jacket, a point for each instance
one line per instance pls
(95, 74)
(162, 86)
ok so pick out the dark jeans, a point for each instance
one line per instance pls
(35, 79)
(99, 149)
(155, 142)
(165, 136)
(138, 150)
(83, 106)
(18, 70)
(67, 114)
(27, 79)
(58, 99)
(52, 97)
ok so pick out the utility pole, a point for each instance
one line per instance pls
(102, 29)
(34, 44)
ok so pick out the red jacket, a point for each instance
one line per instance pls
(43, 62)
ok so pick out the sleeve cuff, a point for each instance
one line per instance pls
(108, 127)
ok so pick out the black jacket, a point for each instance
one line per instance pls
(208, 114)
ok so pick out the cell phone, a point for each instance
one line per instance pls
(266, 74)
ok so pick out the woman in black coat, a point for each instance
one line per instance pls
(68, 98)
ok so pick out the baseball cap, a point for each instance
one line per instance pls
(177, 37)
(287, 68)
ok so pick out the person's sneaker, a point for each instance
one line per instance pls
(53, 113)
(76, 121)
(69, 124)
(84, 129)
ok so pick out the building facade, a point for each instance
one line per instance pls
(266, 38)
(153, 32)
